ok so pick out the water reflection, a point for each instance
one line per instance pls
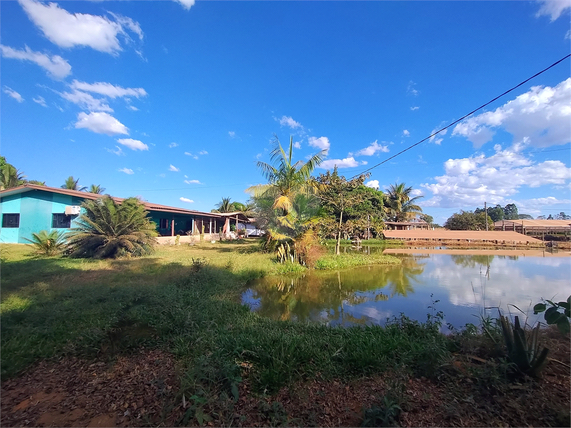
(465, 284)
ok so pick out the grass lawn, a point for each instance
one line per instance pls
(63, 317)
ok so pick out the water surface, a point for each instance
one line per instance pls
(464, 282)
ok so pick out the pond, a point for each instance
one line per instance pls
(465, 284)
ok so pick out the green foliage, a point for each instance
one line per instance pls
(354, 259)
(48, 243)
(495, 213)
(510, 212)
(384, 414)
(9, 176)
(557, 313)
(96, 188)
(467, 220)
(523, 351)
(400, 205)
(108, 229)
(73, 184)
(177, 240)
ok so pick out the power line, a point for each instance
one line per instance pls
(465, 116)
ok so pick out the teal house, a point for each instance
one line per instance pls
(31, 208)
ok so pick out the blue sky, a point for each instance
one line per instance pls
(176, 101)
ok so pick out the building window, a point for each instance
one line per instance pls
(11, 220)
(61, 221)
(164, 223)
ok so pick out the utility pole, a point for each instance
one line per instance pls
(486, 213)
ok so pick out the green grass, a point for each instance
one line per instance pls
(346, 260)
(189, 298)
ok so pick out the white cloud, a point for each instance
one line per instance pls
(416, 192)
(321, 143)
(470, 181)
(297, 145)
(101, 123)
(126, 171)
(406, 133)
(12, 93)
(414, 108)
(373, 148)
(40, 100)
(187, 4)
(108, 89)
(86, 101)
(171, 145)
(56, 66)
(231, 134)
(133, 144)
(553, 8)
(203, 152)
(437, 139)
(173, 168)
(542, 116)
(190, 201)
(192, 181)
(191, 155)
(349, 162)
(289, 122)
(130, 107)
(373, 184)
(117, 152)
(78, 29)
(410, 89)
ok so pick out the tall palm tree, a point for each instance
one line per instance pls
(10, 177)
(286, 179)
(72, 184)
(401, 206)
(248, 209)
(108, 229)
(224, 206)
(97, 189)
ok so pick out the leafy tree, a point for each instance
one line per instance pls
(496, 213)
(248, 209)
(224, 206)
(73, 184)
(401, 206)
(36, 182)
(467, 220)
(339, 194)
(510, 212)
(48, 243)
(108, 229)
(286, 179)
(524, 217)
(9, 176)
(563, 216)
(550, 217)
(96, 188)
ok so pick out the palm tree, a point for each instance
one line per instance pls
(224, 206)
(97, 189)
(248, 209)
(401, 206)
(286, 179)
(48, 243)
(72, 184)
(10, 177)
(107, 229)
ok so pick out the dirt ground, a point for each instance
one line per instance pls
(141, 390)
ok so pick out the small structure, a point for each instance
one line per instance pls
(444, 236)
(537, 228)
(31, 208)
(407, 225)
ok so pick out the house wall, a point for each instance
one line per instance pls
(35, 208)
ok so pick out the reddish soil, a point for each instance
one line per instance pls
(132, 391)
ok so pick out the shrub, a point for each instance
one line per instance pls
(107, 229)
(48, 243)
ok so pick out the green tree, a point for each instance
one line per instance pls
(73, 184)
(10, 176)
(338, 195)
(96, 188)
(224, 206)
(286, 179)
(467, 220)
(401, 207)
(563, 216)
(524, 217)
(107, 229)
(510, 212)
(496, 213)
(48, 243)
(36, 182)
